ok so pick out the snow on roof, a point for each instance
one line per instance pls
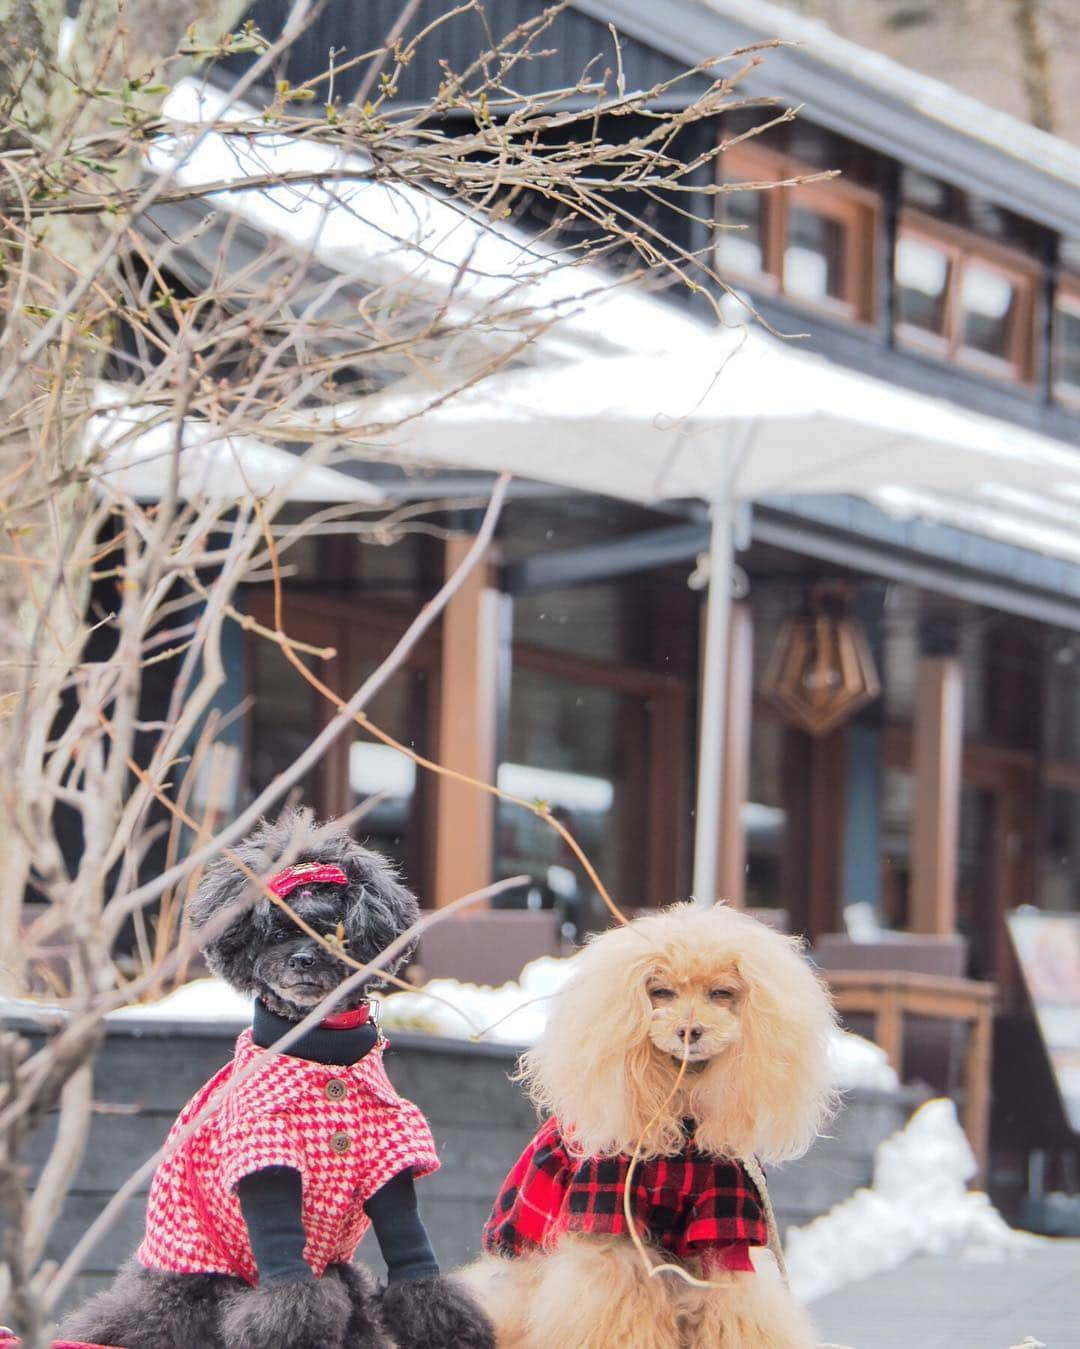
(417, 240)
(1008, 135)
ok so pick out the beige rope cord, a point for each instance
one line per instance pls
(754, 1171)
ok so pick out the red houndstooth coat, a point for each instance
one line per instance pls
(344, 1128)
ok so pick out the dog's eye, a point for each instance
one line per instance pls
(282, 934)
(661, 994)
(722, 994)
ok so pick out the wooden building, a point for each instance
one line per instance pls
(946, 260)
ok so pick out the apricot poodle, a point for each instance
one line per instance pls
(684, 1043)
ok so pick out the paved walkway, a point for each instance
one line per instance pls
(936, 1302)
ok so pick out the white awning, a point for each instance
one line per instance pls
(128, 452)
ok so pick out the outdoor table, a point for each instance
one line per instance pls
(890, 995)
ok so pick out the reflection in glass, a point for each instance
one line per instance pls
(1067, 351)
(814, 256)
(386, 778)
(987, 302)
(897, 823)
(922, 283)
(282, 720)
(740, 238)
(764, 819)
(580, 748)
(1059, 852)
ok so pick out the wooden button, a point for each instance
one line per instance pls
(335, 1089)
(340, 1142)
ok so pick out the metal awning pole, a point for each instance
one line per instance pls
(713, 695)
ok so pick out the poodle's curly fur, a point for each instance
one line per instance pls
(259, 950)
(253, 952)
(740, 1002)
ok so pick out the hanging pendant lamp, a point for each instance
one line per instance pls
(821, 670)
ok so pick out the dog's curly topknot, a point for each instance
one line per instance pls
(375, 906)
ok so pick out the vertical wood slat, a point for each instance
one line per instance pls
(938, 761)
(465, 817)
(738, 716)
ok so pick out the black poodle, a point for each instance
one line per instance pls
(253, 1218)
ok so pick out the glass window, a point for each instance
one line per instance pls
(1059, 853)
(386, 778)
(988, 306)
(740, 240)
(283, 719)
(814, 259)
(922, 284)
(1061, 699)
(764, 818)
(897, 822)
(1067, 348)
(581, 748)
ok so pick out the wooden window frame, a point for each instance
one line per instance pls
(963, 249)
(855, 208)
(1066, 297)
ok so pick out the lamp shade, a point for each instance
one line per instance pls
(821, 670)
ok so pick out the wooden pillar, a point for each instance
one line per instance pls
(468, 705)
(738, 718)
(939, 740)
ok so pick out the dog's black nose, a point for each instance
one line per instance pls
(690, 1033)
(301, 960)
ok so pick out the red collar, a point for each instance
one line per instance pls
(356, 1016)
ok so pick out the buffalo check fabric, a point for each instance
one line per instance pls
(346, 1142)
(688, 1204)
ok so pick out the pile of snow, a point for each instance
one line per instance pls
(919, 1203)
(200, 1000)
(514, 1013)
(856, 1062)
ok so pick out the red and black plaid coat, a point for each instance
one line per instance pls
(688, 1204)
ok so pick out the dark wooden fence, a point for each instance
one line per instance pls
(149, 1068)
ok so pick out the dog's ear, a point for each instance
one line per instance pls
(775, 1093)
(594, 1067)
(385, 910)
(225, 888)
(232, 951)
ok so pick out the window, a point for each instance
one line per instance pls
(813, 242)
(287, 713)
(581, 747)
(1066, 344)
(964, 300)
(922, 285)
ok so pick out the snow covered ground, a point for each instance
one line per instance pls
(918, 1203)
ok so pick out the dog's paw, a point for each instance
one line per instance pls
(287, 1316)
(435, 1314)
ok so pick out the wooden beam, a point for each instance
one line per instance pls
(465, 817)
(938, 760)
(738, 715)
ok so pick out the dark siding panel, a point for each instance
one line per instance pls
(349, 28)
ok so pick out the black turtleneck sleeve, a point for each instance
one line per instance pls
(400, 1232)
(271, 1201)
